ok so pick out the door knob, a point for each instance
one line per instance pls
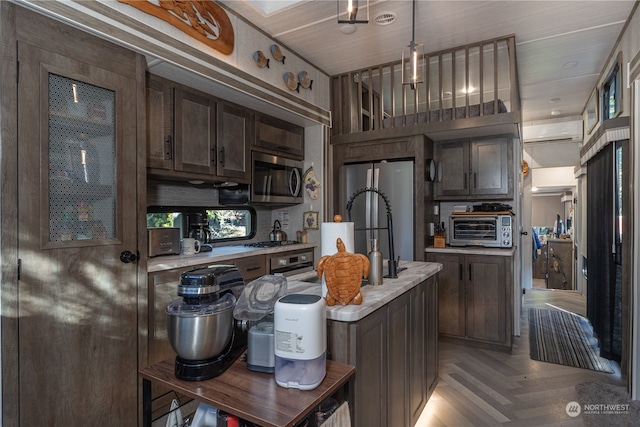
(128, 256)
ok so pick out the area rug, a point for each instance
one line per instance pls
(564, 338)
(606, 405)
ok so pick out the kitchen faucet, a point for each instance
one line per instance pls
(393, 263)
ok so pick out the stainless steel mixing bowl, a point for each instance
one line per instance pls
(201, 336)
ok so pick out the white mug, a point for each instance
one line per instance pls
(190, 246)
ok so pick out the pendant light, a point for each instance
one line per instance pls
(348, 11)
(413, 58)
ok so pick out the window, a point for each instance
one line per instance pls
(223, 224)
(611, 93)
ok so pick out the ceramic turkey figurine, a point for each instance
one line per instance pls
(343, 272)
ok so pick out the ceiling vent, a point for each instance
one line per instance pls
(385, 18)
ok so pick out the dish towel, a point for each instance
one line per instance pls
(340, 418)
(174, 419)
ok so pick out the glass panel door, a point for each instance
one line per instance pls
(82, 141)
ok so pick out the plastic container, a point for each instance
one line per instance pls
(300, 325)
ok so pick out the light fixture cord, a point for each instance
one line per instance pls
(413, 24)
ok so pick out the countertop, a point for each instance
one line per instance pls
(471, 250)
(220, 253)
(373, 297)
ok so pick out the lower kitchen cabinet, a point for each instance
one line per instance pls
(474, 294)
(395, 352)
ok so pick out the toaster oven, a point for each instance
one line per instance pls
(164, 241)
(493, 230)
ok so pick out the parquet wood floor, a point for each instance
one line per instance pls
(480, 387)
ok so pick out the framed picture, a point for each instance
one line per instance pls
(592, 111)
(310, 220)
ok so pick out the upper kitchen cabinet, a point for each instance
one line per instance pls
(278, 137)
(234, 134)
(474, 168)
(192, 135)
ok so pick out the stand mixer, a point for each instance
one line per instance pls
(200, 323)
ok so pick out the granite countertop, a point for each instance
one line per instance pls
(218, 254)
(472, 250)
(373, 297)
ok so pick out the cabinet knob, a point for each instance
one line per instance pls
(128, 256)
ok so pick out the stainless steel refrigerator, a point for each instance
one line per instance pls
(394, 180)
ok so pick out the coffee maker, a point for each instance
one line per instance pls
(198, 227)
(200, 323)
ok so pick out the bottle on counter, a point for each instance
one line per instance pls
(375, 259)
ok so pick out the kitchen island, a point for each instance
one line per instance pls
(391, 339)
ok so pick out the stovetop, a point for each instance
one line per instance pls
(271, 244)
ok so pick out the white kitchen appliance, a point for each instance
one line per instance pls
(255, 310)
(300, 326)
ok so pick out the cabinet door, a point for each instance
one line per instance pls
(234, 136)
(489, 167)
(454, 168)
(279, 137)
(398, 363)
(371, 383)
(432, 334)
(194, 132)
(486, 298)
(159, 123)
(77, 302)
(251, 267)
(451, 294)
(418, 325)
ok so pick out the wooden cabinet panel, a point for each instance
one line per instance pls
(431, 343)
(76, 310)
(489, 167)
(417, 352)
(394, 350)
(371, 361)
(451, 295)
(252, 267)
(474, 298)
(234, 135)
(195, 121)
(192, 135)
(486, 298)
(453, 161)
(474, 168)
(159, 124)
(398, 367)
(278, 137)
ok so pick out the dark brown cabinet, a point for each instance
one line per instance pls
(278, 137)
(555, 264)
(70, 318)
(479, 168)
(474, 294)
(394, 350)
(192, 135)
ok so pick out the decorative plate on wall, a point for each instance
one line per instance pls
(260, 59)
(305, 81)
(277, 53)
(290, 81)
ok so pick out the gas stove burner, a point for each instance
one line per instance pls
(271, 244)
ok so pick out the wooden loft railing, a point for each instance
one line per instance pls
(374, 98)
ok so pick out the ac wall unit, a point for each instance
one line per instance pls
(552, 131)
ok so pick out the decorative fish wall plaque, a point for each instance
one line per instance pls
(203, 20)
(260, 59)
(277, 53)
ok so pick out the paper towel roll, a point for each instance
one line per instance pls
(329, 234)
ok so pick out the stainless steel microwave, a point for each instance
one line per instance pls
(479, 229)
(275, 179)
